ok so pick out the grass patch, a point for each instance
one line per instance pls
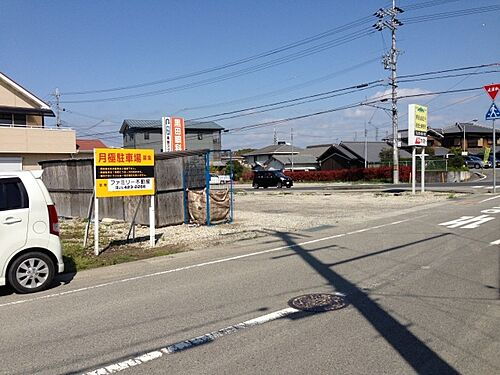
(77, 258)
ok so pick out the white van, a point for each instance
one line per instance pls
(30, 248)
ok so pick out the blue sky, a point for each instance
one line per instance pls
(88, 45)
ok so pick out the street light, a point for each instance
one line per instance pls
(465, 123)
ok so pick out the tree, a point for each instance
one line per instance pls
(238, 169)
(385, 155)
(456, 161)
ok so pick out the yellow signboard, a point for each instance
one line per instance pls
(417, 125)
(421, 119)
(124, 172)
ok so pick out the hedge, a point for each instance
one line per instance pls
(352, 174)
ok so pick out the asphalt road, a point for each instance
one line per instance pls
(480, 183)
(423, 294)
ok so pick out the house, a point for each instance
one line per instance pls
(148, 134)
(25, 139)
(477, 137)
(300, 162)
(281, 156)
(352, 155)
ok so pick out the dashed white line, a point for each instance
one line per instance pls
(191, 343)
(223, 260)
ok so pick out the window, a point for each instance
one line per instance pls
(13, 195)
(5, 118)
(200, 136)
(146, 135)
(216, 138)
(20, 120)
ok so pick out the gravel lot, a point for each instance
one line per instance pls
(259, 212)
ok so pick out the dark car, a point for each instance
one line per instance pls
(271, 178)
(475, 162)
(497, 160)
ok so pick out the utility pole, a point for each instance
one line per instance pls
(58, 108)
(366, 147)
(387, 19)
(275, 137)
(291, 138)
(376, 134)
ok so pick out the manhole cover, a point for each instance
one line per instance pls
(318, 302)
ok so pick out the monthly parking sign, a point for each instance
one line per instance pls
(124, 172)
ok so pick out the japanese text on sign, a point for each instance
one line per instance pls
(177, 134)
(417, 125)
(121, 172)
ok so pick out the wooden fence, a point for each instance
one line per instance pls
(70, 183)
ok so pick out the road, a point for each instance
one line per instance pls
(422, 293)
(480, 183)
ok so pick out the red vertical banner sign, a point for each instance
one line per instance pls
(177, 134)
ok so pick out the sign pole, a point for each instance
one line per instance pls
(96, 226)
(494, 159)
(492, 114)
(96, 209)
(422, 171)
(152, 222)
(164, 123)
(413, 169)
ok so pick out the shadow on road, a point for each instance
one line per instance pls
(413, 350)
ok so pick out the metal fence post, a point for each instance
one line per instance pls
(231, 176)
(207, 184)
(186, 198)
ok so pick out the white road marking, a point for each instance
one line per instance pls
(497, 242)
(494, 210)
(489, 199)
(223, 260)
(468, 222)
(191, 343)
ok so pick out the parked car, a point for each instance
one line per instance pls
(224, 178)
(490, 160)
(474, 162)
(214, 179)
(30, 248)
(271, 178)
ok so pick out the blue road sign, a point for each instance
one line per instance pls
(493, 113)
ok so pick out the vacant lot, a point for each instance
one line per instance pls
(256, 213)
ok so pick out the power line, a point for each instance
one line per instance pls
(285, 59)
(359, 86)
(238, 130)
(285, 89)
(452, 14)
(450, 70)
(302, 42)
(447, 76)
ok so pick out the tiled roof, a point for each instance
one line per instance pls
(469, 128)
(156, 124)
(89, 144)
(317, 150)
(297, 159)
(373, 150)
(275, 149)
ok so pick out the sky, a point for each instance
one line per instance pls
(91, 45)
